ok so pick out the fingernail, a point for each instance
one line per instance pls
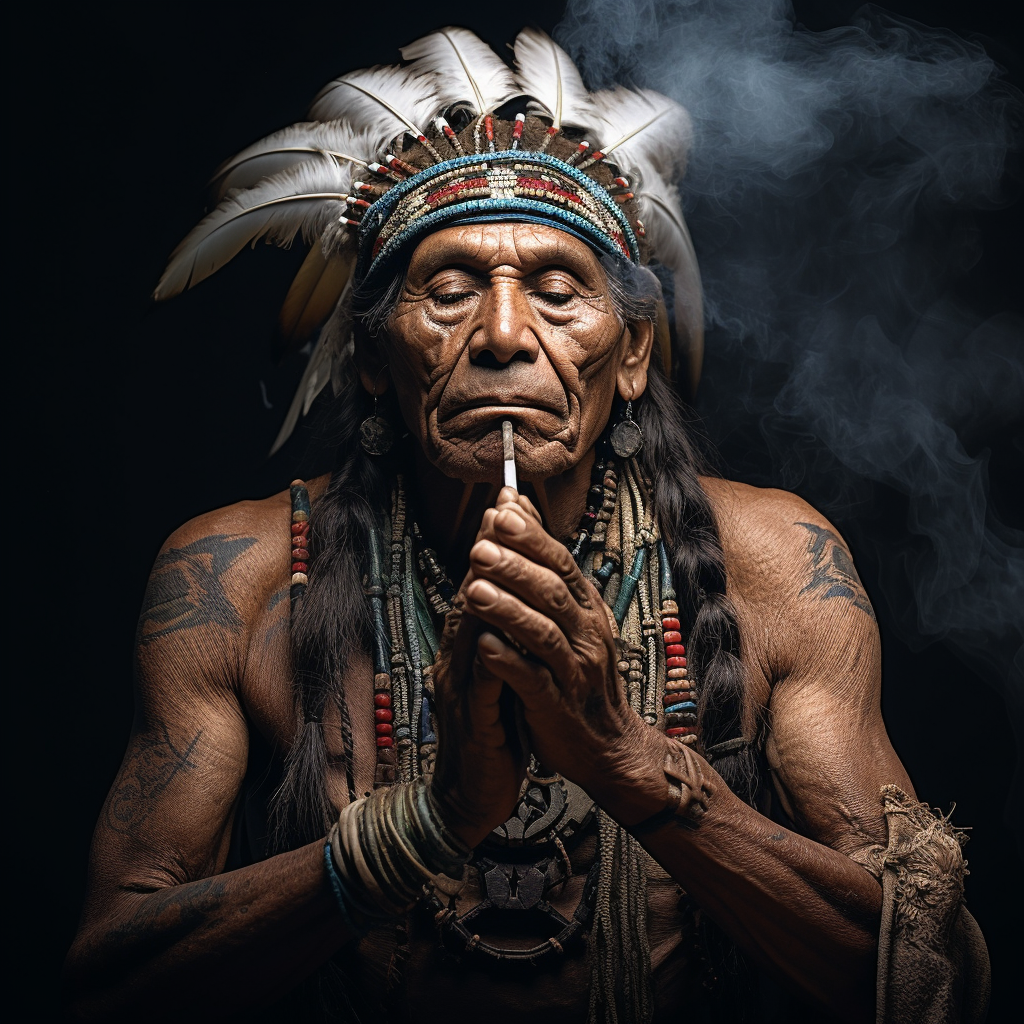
(489, 644)
(509, 522)
(481, 593)
(486, 553)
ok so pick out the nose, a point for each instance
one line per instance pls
(504, 332)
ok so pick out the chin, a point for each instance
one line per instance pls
(482, 461)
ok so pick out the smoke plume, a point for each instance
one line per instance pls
(831, 192)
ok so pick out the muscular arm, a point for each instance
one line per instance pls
(803, 903)
(800, 902)
(164, 926)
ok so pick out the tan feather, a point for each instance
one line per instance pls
(311, 298)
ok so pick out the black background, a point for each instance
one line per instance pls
(137, 417)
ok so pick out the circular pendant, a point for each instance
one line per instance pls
(376, 435)
(627, 439)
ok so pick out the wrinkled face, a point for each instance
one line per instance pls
(508, 321)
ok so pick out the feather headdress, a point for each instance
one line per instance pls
(378, 164)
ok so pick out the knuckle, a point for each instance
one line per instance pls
(550, 638)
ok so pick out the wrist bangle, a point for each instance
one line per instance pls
(689, 792)
(386, 847)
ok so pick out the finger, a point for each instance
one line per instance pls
(534, 584)
(537, 545)
(483, 700)
(531, 682)
(525, 625)
(458, 643)
(509, 497)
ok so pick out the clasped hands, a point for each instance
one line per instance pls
(569, 710)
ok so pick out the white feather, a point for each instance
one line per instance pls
(643, 130)
(315, 376)
(384, 101)
(666, 229)
(290, 147)
(546, 73)
(306, 198)
(468, 70)
(329, 355)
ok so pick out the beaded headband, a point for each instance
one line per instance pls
(362, 181)
(508, 185)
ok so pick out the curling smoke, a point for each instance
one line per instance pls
(829, 193)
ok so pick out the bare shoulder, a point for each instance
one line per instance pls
(766, 533)
(789, 566)
(214, 575)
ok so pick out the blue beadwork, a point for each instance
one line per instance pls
(377, 214)
(685, 706)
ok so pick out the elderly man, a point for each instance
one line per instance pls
(517, 736)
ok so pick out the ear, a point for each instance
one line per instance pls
(373, 372)
(631, 378)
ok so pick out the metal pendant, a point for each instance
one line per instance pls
(376, 435)
(627, 438)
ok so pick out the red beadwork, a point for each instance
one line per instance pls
(670, 624)
(298, 528)
(675, 663)
(300, 555)
(383, 715)
(518, 130)
(676, 697)
(681, 730)
(673, 636)
(553, 130)
(489, 127)
(674, 650)
(384, 741)
(384, 729)
(300, 567)
(382, 700)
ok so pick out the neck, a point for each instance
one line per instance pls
(450, 511)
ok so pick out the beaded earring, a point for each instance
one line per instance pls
(627, 438)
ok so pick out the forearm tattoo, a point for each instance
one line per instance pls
(152, 763)
(832, 570)
(185, 588)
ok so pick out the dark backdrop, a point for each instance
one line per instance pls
(139, 417)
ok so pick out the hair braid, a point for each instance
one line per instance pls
(673, 463)
(332, 621)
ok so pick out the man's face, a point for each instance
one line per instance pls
(508, 321)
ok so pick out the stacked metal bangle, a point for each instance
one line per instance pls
(385, 848)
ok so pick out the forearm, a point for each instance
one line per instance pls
(241, 938)
(806, 909)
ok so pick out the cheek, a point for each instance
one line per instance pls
(418, 354)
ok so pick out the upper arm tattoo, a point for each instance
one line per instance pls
(151, 765)
(832, 571)
(185, 587)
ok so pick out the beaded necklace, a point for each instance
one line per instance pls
(618, 547)
(413, 595)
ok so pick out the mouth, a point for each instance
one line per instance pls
(483, 416)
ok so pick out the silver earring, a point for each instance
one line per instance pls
(375, 433)
(627, 438)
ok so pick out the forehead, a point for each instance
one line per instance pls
(525, 247)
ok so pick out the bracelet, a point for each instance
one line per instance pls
(689, 792)
(385, 848)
